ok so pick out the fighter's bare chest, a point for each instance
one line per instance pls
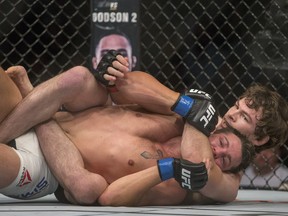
(121, 122)
(122, 156)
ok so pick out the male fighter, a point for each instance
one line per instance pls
(89, 138)
(244, 110)
(272, 102)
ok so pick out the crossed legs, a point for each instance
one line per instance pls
(81, 186)
(75, 89)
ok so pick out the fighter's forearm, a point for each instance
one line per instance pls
(220, 187)
(131, 190)
(143, 89)
(66, 163)
(143, 188)
(195, 145)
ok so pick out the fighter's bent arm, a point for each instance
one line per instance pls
(145, 90)
(142, 188)
(222, 187)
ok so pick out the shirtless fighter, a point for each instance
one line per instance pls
(158, 136)
(252, 116)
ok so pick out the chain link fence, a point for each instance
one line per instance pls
(219, 46)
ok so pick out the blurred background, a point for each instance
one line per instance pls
(219, 46)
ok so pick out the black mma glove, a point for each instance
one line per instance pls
(196, 107)
(105, 62)
(190, 176)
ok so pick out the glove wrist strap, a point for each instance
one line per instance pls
(165, 168)
(183, 105)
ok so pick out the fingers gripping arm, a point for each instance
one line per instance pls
(137, 87)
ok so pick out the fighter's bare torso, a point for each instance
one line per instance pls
(116, 141)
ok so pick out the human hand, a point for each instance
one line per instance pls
(112, 66)
(198, 110)
(191, 176)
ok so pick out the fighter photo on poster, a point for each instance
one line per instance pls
(115, 25)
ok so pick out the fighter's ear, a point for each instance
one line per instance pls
(259, 142)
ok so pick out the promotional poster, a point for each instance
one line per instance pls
(115, 25)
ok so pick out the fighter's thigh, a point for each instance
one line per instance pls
(9, 165)
(9, 94)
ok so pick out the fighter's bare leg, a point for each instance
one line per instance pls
(19, 76)
(76, 89)
(63, 158)
(81, 186)
(9, 165)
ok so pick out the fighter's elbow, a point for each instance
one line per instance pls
(228, 198)
(106, 199)
(221, 187)
(109, 198)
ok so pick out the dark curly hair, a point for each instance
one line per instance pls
(274, 120)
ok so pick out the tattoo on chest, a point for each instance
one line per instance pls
(148, 155)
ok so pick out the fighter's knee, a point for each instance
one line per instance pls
(106, 199)
(80, 72)
(74, 78)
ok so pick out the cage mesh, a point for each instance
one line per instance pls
(219, 46)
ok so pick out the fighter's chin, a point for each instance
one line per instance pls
(225, 123)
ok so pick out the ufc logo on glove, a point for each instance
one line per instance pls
(186, 183)
(199, 92)
(208, 115)
(185, 172)
(196, 107)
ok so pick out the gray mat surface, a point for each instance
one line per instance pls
(248, 202)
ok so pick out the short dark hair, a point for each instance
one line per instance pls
(247, 150)
(95, 40)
